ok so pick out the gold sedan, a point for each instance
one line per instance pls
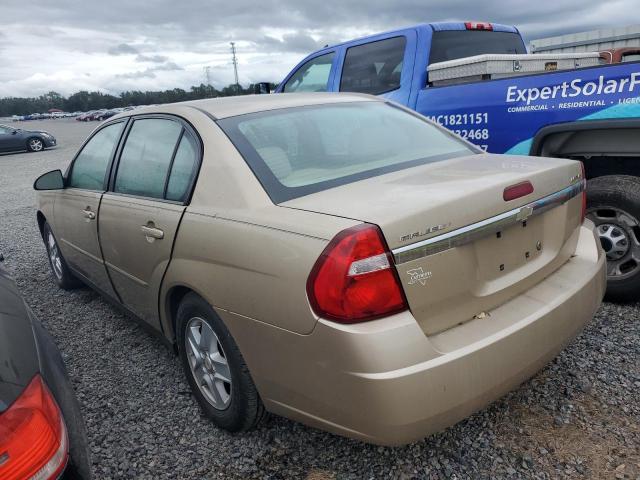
(332, 258)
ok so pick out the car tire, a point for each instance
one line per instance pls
(234, 405)
(35, 144)
(61, 272)
(613, 204)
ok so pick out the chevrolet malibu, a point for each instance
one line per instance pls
(335, 259)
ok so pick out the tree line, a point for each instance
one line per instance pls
(84, 100)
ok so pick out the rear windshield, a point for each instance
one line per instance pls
(454, 44)
(299, 151)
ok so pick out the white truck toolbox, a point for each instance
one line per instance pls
(492, 66)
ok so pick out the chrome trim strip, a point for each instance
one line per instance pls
(473, 232)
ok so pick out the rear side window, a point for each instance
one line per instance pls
(183, 169)
(90, 166)
(146, 157)
(454, 44)
(313, 76)
(373, 67)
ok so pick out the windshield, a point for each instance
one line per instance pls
(454, 44)
(298, 151)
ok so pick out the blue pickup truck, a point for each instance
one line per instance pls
(591, 114)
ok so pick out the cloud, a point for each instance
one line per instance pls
(140, 74)
(291, 42)
(150, 72)
(122, 49)
(167, 67)
(115, 40)
(151, 58)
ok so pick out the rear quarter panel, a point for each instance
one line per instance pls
(256, 268)
(238, 250)
(503, 116)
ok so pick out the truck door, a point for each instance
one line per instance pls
(379, 66)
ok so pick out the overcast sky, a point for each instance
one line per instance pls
(116, 45)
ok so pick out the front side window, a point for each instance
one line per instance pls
(299, 151)
(313, 76)
(146, 157)
(90, 166)
(373, 68)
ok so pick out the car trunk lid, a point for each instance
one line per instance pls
(460, 248)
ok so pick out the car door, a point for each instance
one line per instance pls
(140, 215)
(76, 207)
(10, 139)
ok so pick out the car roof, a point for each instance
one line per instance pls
(224, 107)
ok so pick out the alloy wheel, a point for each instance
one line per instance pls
(619, 234)
(208, 363)
(35, 144)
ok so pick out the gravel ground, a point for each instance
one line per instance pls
(578, 418)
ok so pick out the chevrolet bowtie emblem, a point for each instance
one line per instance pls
(524, 213)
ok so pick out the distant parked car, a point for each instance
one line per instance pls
(104, 115)
(42, 433)
(95, 115)
(16, 139)
(85, 117)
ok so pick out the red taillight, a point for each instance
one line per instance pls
(584, 191)
(516, 191)
(354, 279)
(478, 26)
(33, 438)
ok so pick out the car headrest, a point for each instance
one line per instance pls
(277, 161)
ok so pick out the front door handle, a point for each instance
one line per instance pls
(152, 232)
(89, 214)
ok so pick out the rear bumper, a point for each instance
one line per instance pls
(386, 382)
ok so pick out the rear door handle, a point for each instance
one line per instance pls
(89, 214)
(151, 232)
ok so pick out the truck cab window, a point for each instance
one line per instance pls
(313, 76)
(373, 68)
(454, 44)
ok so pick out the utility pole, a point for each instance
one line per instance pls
(207, 75)
(234, 60)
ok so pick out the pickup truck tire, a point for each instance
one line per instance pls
(63, 276)
(613, 204)
(233, 405)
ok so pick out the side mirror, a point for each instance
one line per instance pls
(52, 180)
(13, 132)
(262, 88)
